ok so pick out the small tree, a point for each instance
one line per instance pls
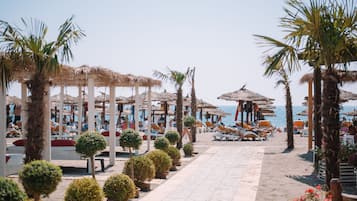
(89, 144)
(40, 178)
(131, 139)
(162, 162)
(9, 190)
(175, 155)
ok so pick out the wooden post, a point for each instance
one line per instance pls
(335, 189)
(60, 122)
(46, 153)
(310, 126)
(80, 109)
(91, 108)
(149, 119)
(24, 109)
(136, 111)
(112, 130)
(2, 130)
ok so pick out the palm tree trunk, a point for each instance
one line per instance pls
(179, 116)
(193, 106)
(289, 118)
(317, 112)
(330, 124)
(35, 139)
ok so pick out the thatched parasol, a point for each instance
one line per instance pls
(13, 100)
(345, 76)
(344, 96)
(352, 113)
(66, 99)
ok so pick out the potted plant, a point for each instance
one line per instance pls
(175, 155)
(131, 139)
(189, 121)
(9, 190)
(40, 178)
(84, 189)
(144, 170)
(172, 136)
(119, 187)
(89, 144)
(162, 163)
(161, 143)
(188, 149)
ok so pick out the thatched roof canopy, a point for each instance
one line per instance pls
(70, 76)
(345, 76)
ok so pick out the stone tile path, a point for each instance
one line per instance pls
(226, 173)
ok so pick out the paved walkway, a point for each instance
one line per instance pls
(228, 173)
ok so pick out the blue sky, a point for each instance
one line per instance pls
(139, 37)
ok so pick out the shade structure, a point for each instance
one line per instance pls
(244, 95)
(345, 96)
(344, 76)
(302, 113)
(352, 113)
(66, 99)
(13, 100)
(215, 111)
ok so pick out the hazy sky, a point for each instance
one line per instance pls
(140, 36)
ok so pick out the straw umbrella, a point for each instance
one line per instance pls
(243, 95)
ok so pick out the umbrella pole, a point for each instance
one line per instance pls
(241, 113)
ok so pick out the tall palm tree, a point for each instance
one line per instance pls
(44, 56)
(193, 101)
(178, 79)
(325, 30)
(282, 61)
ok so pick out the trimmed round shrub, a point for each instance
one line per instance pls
(130, 138)
(188, 149)
(162, 163)
(40, 178)
(9, 190)
(172, 136)
(90, 143)
(119, 187)
(84, 189)
(174, 154)
(144, 168)
(188, 121)
(161, 143)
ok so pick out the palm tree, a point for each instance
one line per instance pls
(325, 30)
(178, 79)
(193, 101)
(284, 60)
(30, 44)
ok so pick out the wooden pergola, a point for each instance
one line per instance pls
(75, 77)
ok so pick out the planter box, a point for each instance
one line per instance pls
(347, 174)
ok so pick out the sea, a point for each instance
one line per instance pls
(280, 119)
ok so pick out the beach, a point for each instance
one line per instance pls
(222, 170)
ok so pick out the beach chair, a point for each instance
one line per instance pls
(209, 125)
(298, 126)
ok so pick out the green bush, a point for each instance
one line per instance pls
(161, 143)
(174, 154)
(84, 189)
(144, 168)
(89, 144)
(40, 178)
(189, 121)
(162, 163)
(130, 138)
(9, 190)
(188, 149)
(119, 187)
(172, 136)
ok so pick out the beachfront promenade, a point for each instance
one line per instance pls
(226, 171)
